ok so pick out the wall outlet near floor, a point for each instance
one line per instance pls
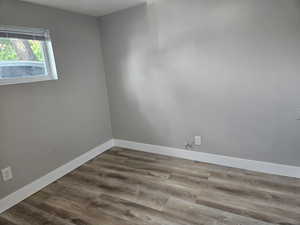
(7, 174)
(198, 140)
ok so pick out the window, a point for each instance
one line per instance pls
(26, 55)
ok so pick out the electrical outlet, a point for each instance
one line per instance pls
(198, 140)
(7, 174)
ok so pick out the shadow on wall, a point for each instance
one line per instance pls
(226, 70)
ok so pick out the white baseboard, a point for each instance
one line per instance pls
(265, 167)
(49, 178)
(258, 166)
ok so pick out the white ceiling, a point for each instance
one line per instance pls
(89, 7)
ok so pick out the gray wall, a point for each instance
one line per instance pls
(226, 70)
(46, 124)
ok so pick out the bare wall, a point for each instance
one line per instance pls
(226, 70)
(44, 125)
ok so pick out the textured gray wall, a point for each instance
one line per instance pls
(44, 125)
(226, 70)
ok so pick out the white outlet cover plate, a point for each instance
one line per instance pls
(198, 140)
(6, 174)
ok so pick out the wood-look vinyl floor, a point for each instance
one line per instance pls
(126, 187)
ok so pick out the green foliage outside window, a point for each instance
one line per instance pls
(8, 51)
(37, 50)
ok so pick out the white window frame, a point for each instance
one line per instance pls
(51, 72)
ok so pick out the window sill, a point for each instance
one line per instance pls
(9, 81)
